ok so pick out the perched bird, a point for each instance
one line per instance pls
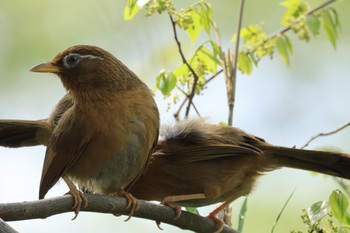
(197, 164)
(100, 135)
(194, 163)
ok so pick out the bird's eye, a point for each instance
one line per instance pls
(71, 60)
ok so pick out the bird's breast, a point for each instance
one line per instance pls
(121, 139)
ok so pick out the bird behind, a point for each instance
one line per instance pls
(197, 164)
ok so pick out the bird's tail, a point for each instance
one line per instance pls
(20, 133)
(331, 163)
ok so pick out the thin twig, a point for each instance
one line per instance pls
(325, 134)
(287, 28)
(177, 113)
(195, 109)
(195, 76)
(213, 76)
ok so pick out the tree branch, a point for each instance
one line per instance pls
(5, 228)
(107, 204)
(325, 134)
(287, 28)
(195, 76)
(231, 69)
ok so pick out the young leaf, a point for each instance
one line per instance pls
(195, 28)
(317, 211)
(166, 82)
(181, 70)
(244, 63)
(282, 48)
(338, 203)
(330, 27)
(288, 43)
(131, 9)
(314, 24)
(192, 210)
(206, 14)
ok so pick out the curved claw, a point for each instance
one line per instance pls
(176, 208)
(133, 204)
(218, 221)
(78, 197)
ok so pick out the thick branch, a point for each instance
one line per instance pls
(107, 204)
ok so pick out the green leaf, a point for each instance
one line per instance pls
(339, 204)
(282, 48)
(253, 58)
(336, 17)
(131, 9)
(216, 48)
(288, 43)
(244, 63)
(192, 210)
(206, 57)
(166, 82)
(242, 214)
(314, 24)
(181, 71)
(206, 14)
(330, 27)
(317, 211)
(195, 28)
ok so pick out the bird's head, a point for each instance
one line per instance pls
(85, 67)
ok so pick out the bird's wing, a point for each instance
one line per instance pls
(63, 150)
(195, 153)
(19, 133)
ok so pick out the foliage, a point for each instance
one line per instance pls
(329, 216)
(209, 59)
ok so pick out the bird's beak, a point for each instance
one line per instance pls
(45, 68)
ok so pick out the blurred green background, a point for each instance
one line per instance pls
(284, 105)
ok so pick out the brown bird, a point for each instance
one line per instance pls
(197, 164)
(101, 134)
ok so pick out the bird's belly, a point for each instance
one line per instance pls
(106, 168)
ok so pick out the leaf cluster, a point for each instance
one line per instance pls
(329, 216)
(209, 59)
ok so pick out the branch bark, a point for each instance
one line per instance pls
(106, 204)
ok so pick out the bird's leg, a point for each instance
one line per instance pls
(169, 201)
(79, 198)
(213, 215)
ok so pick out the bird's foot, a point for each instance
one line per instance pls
(133, 204)
(78, 197)
(79, 200)
(218, 221)
(169, 202)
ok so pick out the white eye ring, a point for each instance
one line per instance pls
(73, 59)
